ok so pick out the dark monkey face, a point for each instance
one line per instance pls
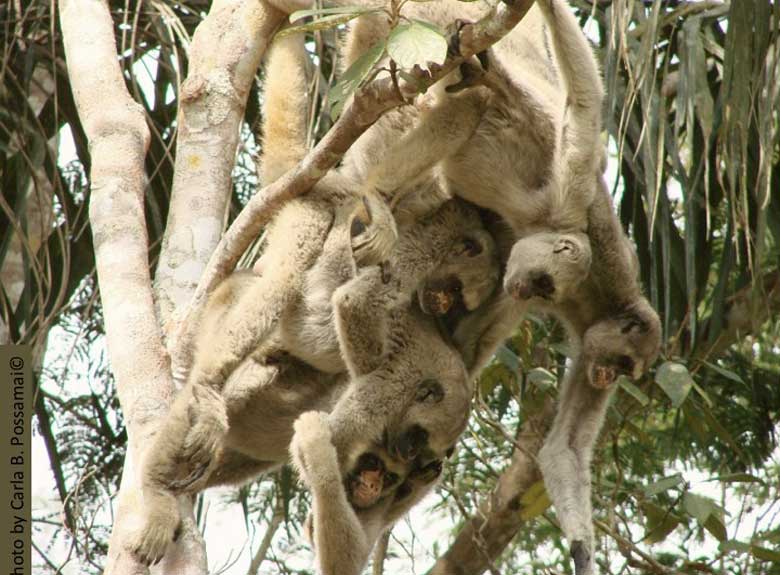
(374, 476)
(467, 276)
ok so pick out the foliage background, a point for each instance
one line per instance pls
(687, 474)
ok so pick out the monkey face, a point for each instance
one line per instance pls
(373, 478)
(623, 345)
(547, 266)
(434, 419)
(466, 277)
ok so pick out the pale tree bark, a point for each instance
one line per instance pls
(118, 141)
(484, 537)
(224, 55)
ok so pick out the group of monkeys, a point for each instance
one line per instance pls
(351, 346)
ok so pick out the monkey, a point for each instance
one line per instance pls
(341, 534)
(203, 422)
(522, 140)
(399, 410)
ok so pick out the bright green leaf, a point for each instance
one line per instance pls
(738, 478)
(411, 44)
(724, 372)
(675, 380)
(353, 77)
(664, 484)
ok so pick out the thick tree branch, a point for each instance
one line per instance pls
(485, 536)
(225, 52)
(118, 140)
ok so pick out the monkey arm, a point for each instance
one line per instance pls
(441, 132)
(566, 456)
(361, 315)
(339, 539)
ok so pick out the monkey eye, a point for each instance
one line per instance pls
(429, 391)
(469, 247)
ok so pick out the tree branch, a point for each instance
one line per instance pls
(485, 536)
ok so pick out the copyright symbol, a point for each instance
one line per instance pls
(17, 363)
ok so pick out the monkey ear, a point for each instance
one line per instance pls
(429, 391)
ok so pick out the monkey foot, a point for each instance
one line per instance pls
(160, 526)
(581, 557)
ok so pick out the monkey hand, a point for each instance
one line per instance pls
(312, 451)
(153, 524)
(202, 441)
(373, 231)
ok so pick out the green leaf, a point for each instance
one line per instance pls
(659, 522)
(353, 10)
(625, 383)
(716, 527)
(764, 554)
(414, 43)
(734, 545)
(320, 24)
(508, 358)
(664, 484)
(703, 394)
(534, 501)
(724, 372)
(541, 377)
(675, 380)
(738, 478)
(353, 77)
(699, 507)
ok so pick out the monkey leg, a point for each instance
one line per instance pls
(627, 344)
(565, 461)
(177, 461)
(339, 538)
